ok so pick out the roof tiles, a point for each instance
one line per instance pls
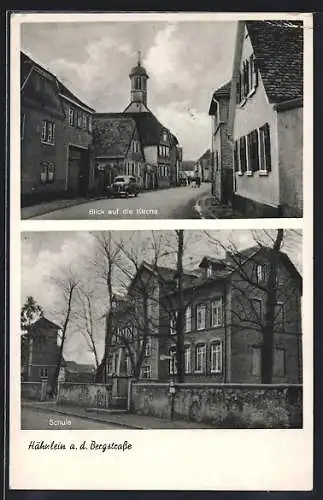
(278, 48)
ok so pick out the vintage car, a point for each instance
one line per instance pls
(125, 185)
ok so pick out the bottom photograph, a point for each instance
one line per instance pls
(176, 329)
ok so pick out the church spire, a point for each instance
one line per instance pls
(138, 90)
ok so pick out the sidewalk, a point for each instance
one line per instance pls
(209, 208)
(51, 206)
(117, 417)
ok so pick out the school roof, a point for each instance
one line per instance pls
(278, 49)
(112, 134)
(44, 324)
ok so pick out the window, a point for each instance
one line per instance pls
(172, 361)
(84, 121)
(279, 362)
(188, 319)
(216, 356)
(256, 361)
(256, 309)
(71, 116)
(261, 273)
(114, 362)
(209, 272)
(216, 160)
(201, 317)
(187, 359)
(48, 132)
(43, 373)
(217, 312)
(200, 358)
(79, 119)
(279, 316)
(264, 149)
(172, 323)
(110, 365)
(47, 172)
(247, 80)
(128, 365)
(148, 347)
(146, 371)
(22, 125)
(90, 124)
(253, 152)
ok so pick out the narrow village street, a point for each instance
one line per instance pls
(172, 203)
(37, 419)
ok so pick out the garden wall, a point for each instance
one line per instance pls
(221, 405)
(84, 395)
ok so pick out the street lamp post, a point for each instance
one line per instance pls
(171, 388)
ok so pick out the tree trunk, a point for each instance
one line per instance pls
(60, 356)
(267, 352)
(180, 312)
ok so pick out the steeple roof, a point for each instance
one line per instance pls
(138, 70)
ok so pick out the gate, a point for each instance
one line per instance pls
(119, 396)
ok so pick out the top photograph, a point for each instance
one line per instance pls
(161, 119)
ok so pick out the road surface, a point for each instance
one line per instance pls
(37, 419)
(172, 203)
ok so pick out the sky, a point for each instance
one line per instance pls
(186, 61)
(46, 256)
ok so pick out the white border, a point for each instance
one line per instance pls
(175, 460)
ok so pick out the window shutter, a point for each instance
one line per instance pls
(53, 133)
(243, 152)
(255, 72)
(267, 147)
(255, 150)
(247, 82)
(250, 152)
(238, 89)
(245, 79)
(235, 157)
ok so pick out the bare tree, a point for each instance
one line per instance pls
(86, 320)
(153, 288)
(66, 287)
(104, 263)
(250, 279)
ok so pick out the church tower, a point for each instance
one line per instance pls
(138, 90)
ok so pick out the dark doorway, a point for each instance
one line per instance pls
(78, 170)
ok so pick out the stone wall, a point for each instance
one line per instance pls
(222, 405)
(31, 390)
(84, 395)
